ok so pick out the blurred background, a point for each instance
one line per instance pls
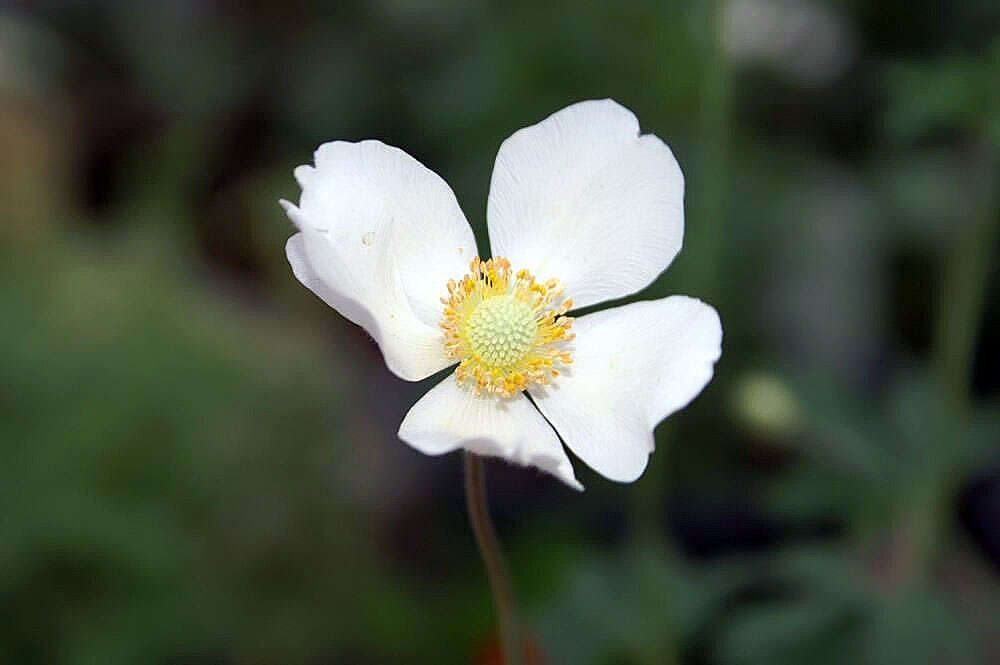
(199, 462)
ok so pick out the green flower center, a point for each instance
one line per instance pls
(501, 330)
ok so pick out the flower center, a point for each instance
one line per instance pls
(500, 330)
(505, 329)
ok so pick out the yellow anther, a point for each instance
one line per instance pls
(504, 328)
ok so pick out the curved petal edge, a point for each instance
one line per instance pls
(633, 366)
(380, 235)
(451, 416)
(583, 197)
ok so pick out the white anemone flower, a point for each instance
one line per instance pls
(581, 200)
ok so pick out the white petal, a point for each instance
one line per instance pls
(632, 367)
(381, 236)
(582, 197)
(452, 416)
(412, 349)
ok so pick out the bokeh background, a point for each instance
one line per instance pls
(199, 463)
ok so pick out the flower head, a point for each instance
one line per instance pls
(582, 209)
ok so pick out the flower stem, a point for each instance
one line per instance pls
(489, 547)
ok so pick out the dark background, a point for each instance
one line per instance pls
(199, 463)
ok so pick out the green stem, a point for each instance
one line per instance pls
(489, 547)
(711, 192)
(960, 309)
(705, 234)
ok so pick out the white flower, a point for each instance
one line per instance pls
(581, 200)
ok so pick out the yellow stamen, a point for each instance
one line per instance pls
(505, 329)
